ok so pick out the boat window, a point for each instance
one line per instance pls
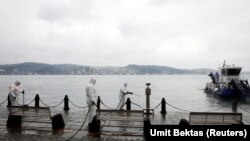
(230, 71)
(233, 71)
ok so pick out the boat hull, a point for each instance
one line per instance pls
(227, 91)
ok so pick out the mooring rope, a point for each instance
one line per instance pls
(112, 108)
(177, 107)
(158, 105)
(16, 102)
(76, 105)
(123, 105)
(193, 111)
(43, 103)
(181, 108)
(105, 105)
(58, 104)
(31, 102)
(50, 106)
(136, 104)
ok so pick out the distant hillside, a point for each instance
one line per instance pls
(31, 68)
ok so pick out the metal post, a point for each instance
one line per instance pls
(163, 106)
(37, 99)
(146, 128)
(98, 105)
(9, 102)
(23, 98)
(234, 106)
(66, 103)
(148, 93)
(128, 104)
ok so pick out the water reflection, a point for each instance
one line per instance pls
(183, 91)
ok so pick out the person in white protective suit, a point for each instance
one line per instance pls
(91, 99)
(122, 96)
(14, 92)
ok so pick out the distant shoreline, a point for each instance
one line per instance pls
(32, 68)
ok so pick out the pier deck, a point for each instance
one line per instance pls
(33, 130)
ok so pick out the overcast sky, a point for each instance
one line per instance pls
(176, 33)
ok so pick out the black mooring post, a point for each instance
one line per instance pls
(234, 106)
(9, 102)
(37, 99)
(98, 105)
(128, 104)
(57, 122)
(146, 128)
(14, 121)
(66, 103)
(148, 93)
(163, 106)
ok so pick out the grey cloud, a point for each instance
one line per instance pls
(182, 34)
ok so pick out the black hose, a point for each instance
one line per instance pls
(68, 139)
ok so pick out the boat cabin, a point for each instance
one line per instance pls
(229, 73)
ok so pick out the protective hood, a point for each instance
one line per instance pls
(17, 83)
(92, 81)
(125, 85)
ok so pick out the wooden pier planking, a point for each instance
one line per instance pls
(28, 111)
(120, 115)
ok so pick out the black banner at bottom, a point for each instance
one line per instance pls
(197, 132)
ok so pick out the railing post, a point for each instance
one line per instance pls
(98, 105)
(148, 93)
(37, 99)
(128, 104)
(234, 106)
(163, 106)
(66, 103)
(9, 102)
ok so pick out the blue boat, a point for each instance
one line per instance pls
(227, 83)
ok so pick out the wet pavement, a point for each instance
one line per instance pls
(40, 129)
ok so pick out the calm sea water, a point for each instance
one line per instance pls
(182, 91)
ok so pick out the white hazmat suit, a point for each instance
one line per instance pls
(14, 91)
(91, 99)
(122, 96)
